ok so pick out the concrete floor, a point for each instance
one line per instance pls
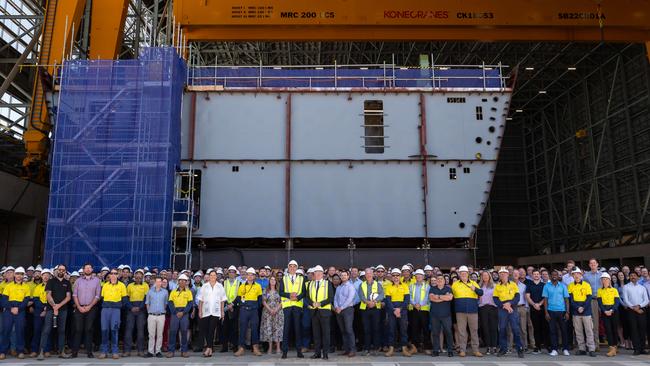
(626, 359)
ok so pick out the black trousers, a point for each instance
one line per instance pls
(345, 321)
(557, 325)
(540, 327)
(371, 318)
(611, 328)
(292, 318)
(637, 324)
(419, 325)
(230, 332)
(320, 324)
(84, 327)
(444, 324)
(358, 328)
(489, 317)
(207, 327)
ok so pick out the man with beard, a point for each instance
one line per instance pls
(86, 294)
(58, 294)
(39, 299)
(15, 297)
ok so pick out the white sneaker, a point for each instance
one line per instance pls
(566, 352)
(553, 353)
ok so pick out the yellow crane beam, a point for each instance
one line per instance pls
(107, 28)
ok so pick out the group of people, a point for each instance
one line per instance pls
(407, 310)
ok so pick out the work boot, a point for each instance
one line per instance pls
(40, 356)
(390, 352)
(406, 352)
(477, 354)
(33, 354)
(21, 356)
(412, 349)
(116, 356)
(256, 350)
(611, 352)
(240, 351)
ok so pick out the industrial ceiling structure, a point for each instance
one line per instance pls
(574, 170)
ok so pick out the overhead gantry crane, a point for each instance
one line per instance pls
(328, 20)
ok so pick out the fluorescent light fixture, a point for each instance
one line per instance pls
(508, 118)
(487, 68)
(403, 68)
(443, 68)
(519, 110)
(530, 68)
(542, 92)
(319, 68)
(277, 68)
(363, 68)
(571, 68)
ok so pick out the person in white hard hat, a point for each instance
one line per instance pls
(39, 297)
(114, 297)
(397, 301)
(320, 295)
(419, 313)
(181, 303)
(428, 271)
(231, 321)
(580, 300)
(466, 293)
(292, 291)
(608, 303)
(136, 316)
(16, 296)
(371, 296)
(249, 298)
(506, 297)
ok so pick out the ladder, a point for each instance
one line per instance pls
(183, 219)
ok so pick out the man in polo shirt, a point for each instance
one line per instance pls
(593, 278)
(135, 316)
(113, 298)
(58, 296)
(556, 305)
(506, 298)
(249, 298)
(441, 296)
(534, 290)
(86, 295)
(580, 301)
(466, 293)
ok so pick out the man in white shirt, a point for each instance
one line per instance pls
(212, 297)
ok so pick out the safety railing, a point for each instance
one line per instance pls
(388, 76)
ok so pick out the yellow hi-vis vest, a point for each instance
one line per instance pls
(320, 295)
(424, 294)
(231, 290)
(289, 287)
(373, 289)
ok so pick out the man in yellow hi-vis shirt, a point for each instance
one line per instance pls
(181, 303)
(320, 294)
(580, 294)
(506, 297)
(15, 297)
(135, 316)
(113, 298)
(292, 292)
(249, 299)
(39, 297)
(397, 301)
(466, 293)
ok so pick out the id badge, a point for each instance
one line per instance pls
(243, 300)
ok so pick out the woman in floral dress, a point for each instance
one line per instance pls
(272, 316)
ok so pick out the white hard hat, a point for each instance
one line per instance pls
(219, 271)
(120, 267)
(232, 268)
(38, 268)
(30, 268)
(105, 269)
(605, 275)
(250, 270)
(199, 273)
(293, 262)
(148, 274)
(362, 273)
(126, 266)
(210, 270)
(380, 267)
(419, 272)
(17, 270)
(146, 268)
(300, 271)
(463, 269)
(47, 270)
(74, 274)
(503, 270)
(406, 267)
(183, 277)
(395, 271)
(139, 270)
(10, 268)
(576, 270)
(318, 268)
(428, 268)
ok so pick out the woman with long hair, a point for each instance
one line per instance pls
(272, 316)
(609, 302)
(488, 313)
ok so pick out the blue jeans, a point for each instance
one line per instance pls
(345, 320)
(292, 317)
(371, 321)
(249, 316)
(176, 324)
(506, 319)
(48, 322)
(110, 324)
(9, 321)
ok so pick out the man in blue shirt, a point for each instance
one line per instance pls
(156, 302)
(263, 279)
(344, 310)
(556, 304)
(441, 296)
